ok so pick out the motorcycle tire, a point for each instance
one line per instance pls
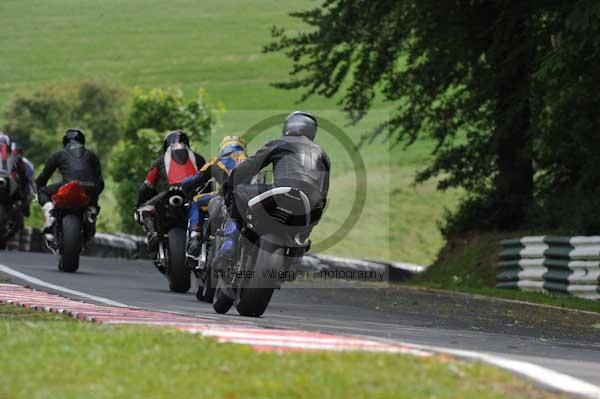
(254, 301)
(222, 302)
(206, 290)
(3, 221)
(256, 294)
(178, 271)
(71, 244)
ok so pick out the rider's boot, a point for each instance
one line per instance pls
(152, 240)
(48, 218)
(194, 244)
(228, 248)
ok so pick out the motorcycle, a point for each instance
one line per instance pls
(275, 235)
(171, 226)
(11, 215)
(212, 234)
(74, 225)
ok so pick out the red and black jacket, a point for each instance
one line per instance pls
(168, 171)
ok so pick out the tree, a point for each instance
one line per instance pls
(568, 121)
(153, 113)
(466, 73)
(38, 118)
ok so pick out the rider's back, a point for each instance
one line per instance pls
(75, 162)
(301, 163)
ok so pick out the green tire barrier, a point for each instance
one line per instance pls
(568, 265)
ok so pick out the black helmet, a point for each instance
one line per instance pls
(300, 124)
(73, 135)
(176, 136)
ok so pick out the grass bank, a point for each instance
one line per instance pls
(48, 355)
(217, 45)
(468, 264)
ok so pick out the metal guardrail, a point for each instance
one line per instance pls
(550, 263)
(103, 245)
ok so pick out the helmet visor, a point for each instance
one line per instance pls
(230, 149)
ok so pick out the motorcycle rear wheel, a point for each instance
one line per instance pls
(178, 270)
(254, 301)
(71, 244)
(256, 294)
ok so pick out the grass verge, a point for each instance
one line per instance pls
(468, 264)
(48, 355)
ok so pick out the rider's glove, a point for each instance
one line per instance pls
(187, 185)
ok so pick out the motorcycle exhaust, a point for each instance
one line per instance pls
(3, 183)
(176, 201)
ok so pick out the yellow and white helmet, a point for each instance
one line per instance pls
(231, 144)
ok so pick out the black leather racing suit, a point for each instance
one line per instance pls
(74, 162)
(297, 162)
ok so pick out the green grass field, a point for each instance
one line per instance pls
(217, 45)
(47, 355)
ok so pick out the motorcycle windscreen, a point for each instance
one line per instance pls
(71, 196)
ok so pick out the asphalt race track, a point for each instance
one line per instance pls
(564, 341)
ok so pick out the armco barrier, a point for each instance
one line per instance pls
(129, 246)
(103, 245)
(550, 263)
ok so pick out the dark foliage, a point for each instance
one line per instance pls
(153, 113)
(501, 86)
(38, 119)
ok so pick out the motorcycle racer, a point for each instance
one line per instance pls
(74, 163)
(176, 163)
(29, 181)
(232, 151)
(297, 162)
(11, 164)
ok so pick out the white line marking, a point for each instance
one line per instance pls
(545, 376)
(36, 281)
(549, 377)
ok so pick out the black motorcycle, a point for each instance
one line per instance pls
(273, 240)
(74, 225)
(11, 214)
(171, 226)
(212, 237)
